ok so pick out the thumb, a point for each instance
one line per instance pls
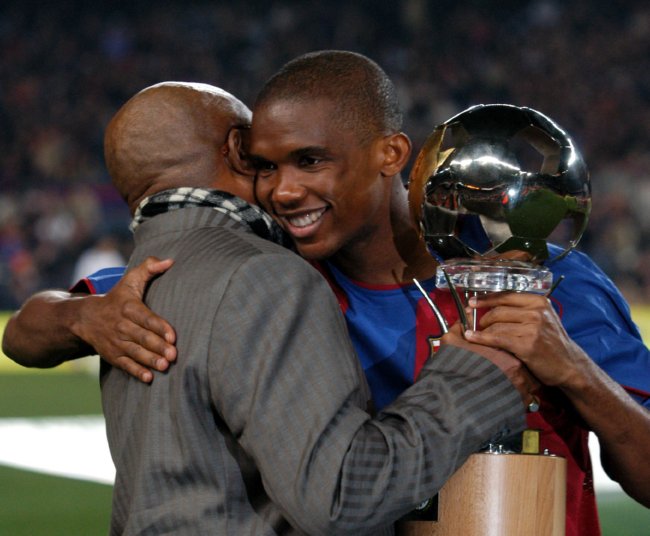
(137, 278)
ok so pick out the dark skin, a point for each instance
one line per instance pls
(311, 170)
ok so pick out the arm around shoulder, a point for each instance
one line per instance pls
(291, 389)
(42, 332)
(56, 326)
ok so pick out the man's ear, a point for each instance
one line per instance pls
(234, 151)
(397, 151)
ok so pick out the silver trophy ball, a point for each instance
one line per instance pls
(494, 179)
(497, 178)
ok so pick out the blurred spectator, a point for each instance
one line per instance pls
(102, 254)
(66, 67)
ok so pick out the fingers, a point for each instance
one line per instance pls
(543, 346)
(507, 336)
(145, 337)
(142, 356)
(512, 299)
(155, 266)
(128, 334)
(140, 314)
(509, 331)
(138, 277)
(454, 336)
(500, 358)
(145, 346)
(147, 328)
(513, 368)
(517, 310)
(134, 369)
(133, 348)
(124, 331)
(136, 360)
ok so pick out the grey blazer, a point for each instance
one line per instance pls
(260, 426)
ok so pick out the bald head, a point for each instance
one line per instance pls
(364, 98)
(176, 134)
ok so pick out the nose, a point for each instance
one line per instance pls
(287, 188)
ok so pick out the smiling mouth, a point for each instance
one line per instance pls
(305, 220)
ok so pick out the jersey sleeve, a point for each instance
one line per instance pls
(597, 317)
(100, 282)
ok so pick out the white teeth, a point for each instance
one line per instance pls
(306, 219)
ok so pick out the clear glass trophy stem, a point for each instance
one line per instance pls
(484, 275)
(474, 312)
(475, 277)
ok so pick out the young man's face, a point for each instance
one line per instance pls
(319, 183)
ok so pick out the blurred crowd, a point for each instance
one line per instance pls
(66, 68)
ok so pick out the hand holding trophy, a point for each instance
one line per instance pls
(488, 189)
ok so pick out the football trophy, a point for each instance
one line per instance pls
(493, 180)
(489, 189)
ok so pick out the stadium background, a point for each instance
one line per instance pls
(66, 67)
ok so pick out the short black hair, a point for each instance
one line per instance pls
(365, 98)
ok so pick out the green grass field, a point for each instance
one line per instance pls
(34, 504)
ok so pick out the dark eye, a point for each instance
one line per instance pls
(264, 168)
(306, 161)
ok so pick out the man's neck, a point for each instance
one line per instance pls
(388, 265)
(393, 255)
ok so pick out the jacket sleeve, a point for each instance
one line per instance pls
(291, 390)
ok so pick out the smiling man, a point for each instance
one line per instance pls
(328, 147)
(327, 144)
(329, 157)
(261, 426)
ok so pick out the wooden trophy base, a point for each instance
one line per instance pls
(499, 495)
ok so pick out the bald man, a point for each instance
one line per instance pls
(260, 426)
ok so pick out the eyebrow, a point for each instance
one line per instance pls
(257, 161)
(319, 150)
(313, 149)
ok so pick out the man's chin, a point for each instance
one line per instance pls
(313, 252)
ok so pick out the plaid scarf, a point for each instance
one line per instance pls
(239, 210)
